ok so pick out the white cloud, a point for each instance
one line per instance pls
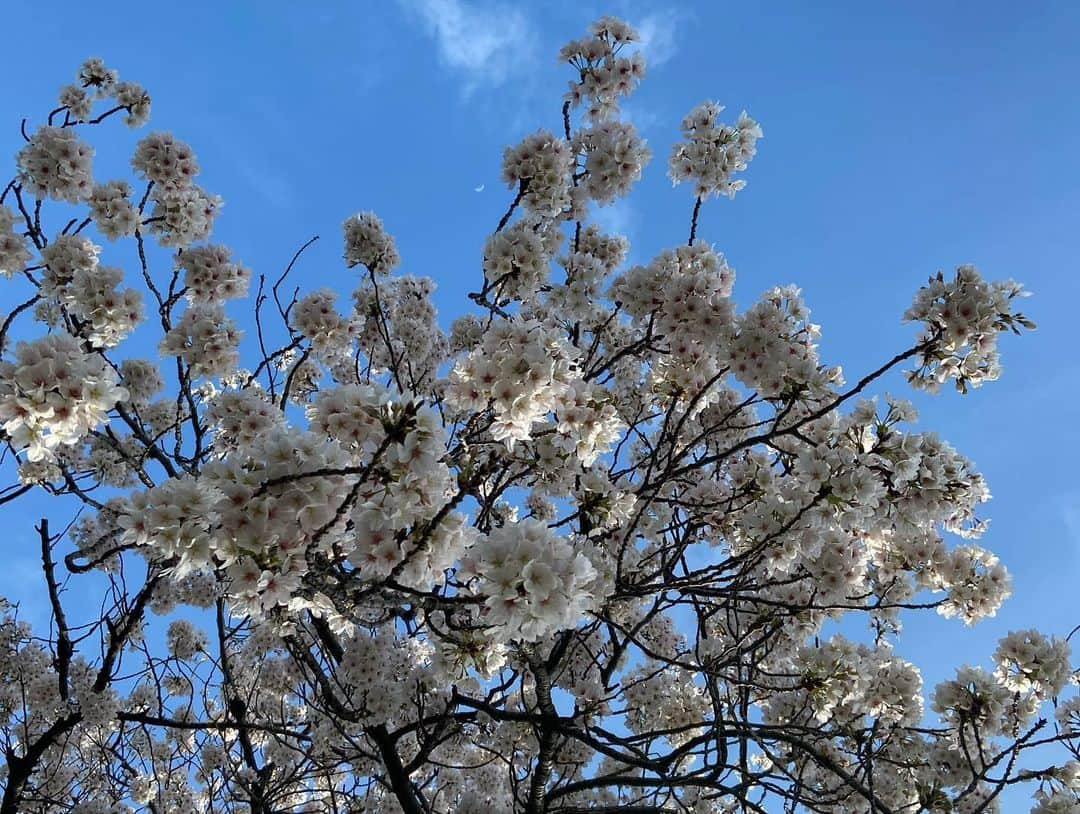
(483, 43)
(657, 32)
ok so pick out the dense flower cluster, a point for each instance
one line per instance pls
(712, 152)
(173, 519)
(113, 213)
(96, 81)
(77, 101)
(587, 422)
(592, 258)
(105, 314)
(977, 700)
(542, 165)
(685, 293)
(206, 339)
(109, 313)
(183, 212)
(242, 417)
(666, 700)
(211, 276)
(976, 581)
(535, 583)
(520, 370)
(773, 349)
(605, 75)
(65, 257)
(840, 680)
(93, 73)
(53, 394)
(1029, 662)
(165, 160)
(182, 215)
(135, 100)
(381, 674)
(55, 164)
(963, 318)
(316, 318)
(368, 243)
(396, 322)
(142, 379)
(516, 261)
(184, 640)
(13, 252)
(614, 157)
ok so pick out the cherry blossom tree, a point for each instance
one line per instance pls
(586, 552)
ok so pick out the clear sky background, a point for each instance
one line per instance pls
(900, 139)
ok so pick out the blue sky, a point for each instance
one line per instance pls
(899, 139)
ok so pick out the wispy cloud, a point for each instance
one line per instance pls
(270, 187)
(644, 119)
(19, 572)
(657, 32)
(481, 42)
(1070, 515)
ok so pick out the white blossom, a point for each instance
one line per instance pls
(14, 254)
(368, 243)
(55, 164)
(712, 152)
(113, 213)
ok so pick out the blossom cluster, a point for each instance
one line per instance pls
(96, 81)
(368, 243)
(206, 339)
(382, 673)
(604, 74)
(183, 212)
(713, 153)
(773, 349)
(13, 252)
(1027, 661)
(65, 257)
(211, 276)
(587, 422)
(241, 417)
(685, 294)
(55, 164)
(397, 327)
(142, 379)
(542, 165)
(110, 313)
(963, 317)
(517, 261)
(591, 258)
(165, 160)
(72, 278)
(520, 369)
(111, 208)
(667, 700)
(535, 583)
(54, 393)
(331, 333)
(614, 157)
(839, 680)
(977, 700)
